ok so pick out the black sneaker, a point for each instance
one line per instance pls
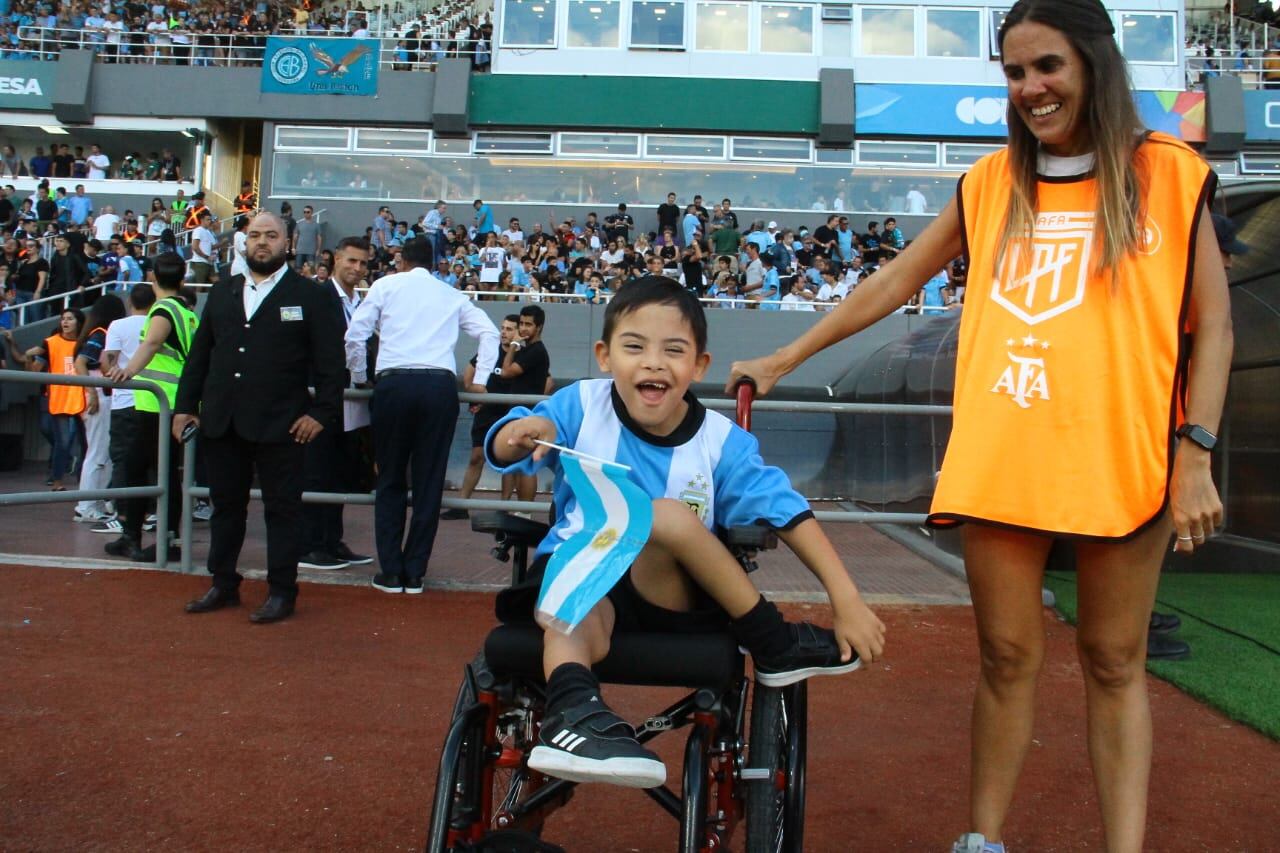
(413, 586)
(388, 583)
(124, 547)
(454, 515)
(590, 743)
(342, 552)
(321, 560)
(814, 651)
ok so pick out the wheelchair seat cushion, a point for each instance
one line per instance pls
(710, 660)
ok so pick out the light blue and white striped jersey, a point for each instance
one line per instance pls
(708, 462)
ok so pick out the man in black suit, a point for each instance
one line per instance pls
(262, 339)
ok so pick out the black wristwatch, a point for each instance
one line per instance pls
(1198, 435)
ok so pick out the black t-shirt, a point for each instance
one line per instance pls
(495, 384)
(29, 274)
(6, 211)
(536, 364)
(62, 165)
(822, 235)
(46, 209)
(668, 215)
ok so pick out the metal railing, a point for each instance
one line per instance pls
(159, 491)
(221, 49)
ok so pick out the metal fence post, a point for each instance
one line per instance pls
(187, 527)
(163, 462)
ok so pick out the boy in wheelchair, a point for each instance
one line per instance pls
(703, 472)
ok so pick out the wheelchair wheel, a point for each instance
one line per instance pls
(476, 819)
(775, 806)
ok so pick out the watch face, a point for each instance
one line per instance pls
(1199, 435)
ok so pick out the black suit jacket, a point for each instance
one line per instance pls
(252, 376)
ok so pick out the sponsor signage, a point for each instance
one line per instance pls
(320, 66)
(979, 111)
(1262, 115)
(26, 84)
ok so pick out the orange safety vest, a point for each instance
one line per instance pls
(244, 202)
(63, 399)
(193, 216)
(130, 236)
(1069, 387)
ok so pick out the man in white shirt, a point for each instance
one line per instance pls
(798, 299)
(514, 233)
(915, 201)
(105, 224)
(239, 243)
(202, 241)
(415, 407)
(98, 163)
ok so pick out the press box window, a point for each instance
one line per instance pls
(385, 139)
(657, 24)
(529, 23)
(786, 29)
(1148, 38)
(600, 144)
(757, 148)
(897, 154)
(684, 147)
(594, 23)
(887, 32)
(963, 156)
(512, 143)
(722, 26)
(313, 137)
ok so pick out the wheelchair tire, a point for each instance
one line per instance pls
(775, 807)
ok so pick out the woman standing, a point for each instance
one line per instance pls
(1081, 412)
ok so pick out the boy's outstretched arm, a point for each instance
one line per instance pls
(856, 626)
(517, 438)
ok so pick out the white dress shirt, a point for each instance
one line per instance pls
(417, 317)
(256, 294)
(355, 413)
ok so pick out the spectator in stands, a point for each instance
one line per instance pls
(63, 161)
(80, 205)
(668, 215)
(248, 381)
(306, 238)
(57, 355)
(97, 163)
(171, 168)
(239, 246)
(380, 235)
(434, 227)
(526, 367)
(202, 250)
(415, 407)
(915, 202)
(892, 242)
(871, 244)
(95, 469)
(11, 165)
(41, 165)
(32, 276)
(106, 224)
(157, 219)
(336, 460)
(68, 271)
(483, 219)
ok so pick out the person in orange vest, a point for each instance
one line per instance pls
(247, 200)
(66, 402)
(1081, 412)
(193, 212)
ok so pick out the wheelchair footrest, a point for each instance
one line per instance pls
(510, 841)
(660, 660)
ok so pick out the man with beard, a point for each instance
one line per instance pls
(263, 338)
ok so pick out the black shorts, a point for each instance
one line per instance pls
(484, 420)
(632, 612)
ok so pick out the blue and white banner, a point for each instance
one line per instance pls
(617, 520)
(925, 110)
(320, 66)
(1262, 115)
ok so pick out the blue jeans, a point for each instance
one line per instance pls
(65, 434)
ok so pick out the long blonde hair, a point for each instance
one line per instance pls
(1112, 123)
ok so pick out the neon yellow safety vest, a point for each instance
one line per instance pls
(165, 367)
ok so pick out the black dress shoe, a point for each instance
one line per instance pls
(275, 608)
(125, 547)
(1164, 623)
(148, 554)
(1166, 648)
(454, 515)
(342, 552)
(214, 599)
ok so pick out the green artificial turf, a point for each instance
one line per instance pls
(1233, 625)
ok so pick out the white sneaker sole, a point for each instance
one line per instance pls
(782, 679)
(413, 590)
(303, 565)
(626, 772)
(391, 589)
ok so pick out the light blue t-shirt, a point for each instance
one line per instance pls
(771, 291)
(709, 462)
(484, 219)
(933, 297)
(844, 240)
(691, 224)
(80, 206)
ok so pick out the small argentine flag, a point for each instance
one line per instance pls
(617, 520)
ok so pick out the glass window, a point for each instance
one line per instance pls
(834, 155)
(962, 156)
(600, 144)
(722, 26)
(897, 154)
(993, 35)
(453, 146)
(593, 23)
(657, 24)
(512, 143)
(1259, 163)
(529, 23)
(312, 137)
(710, 147)
(1148, 38)
(386, 139)
(756, 148)
(786, 29)
(953, 33)
(888, 32)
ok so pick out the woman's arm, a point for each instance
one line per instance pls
(1193, 500)
(876, 297)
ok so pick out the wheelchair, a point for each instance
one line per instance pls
(744, 755)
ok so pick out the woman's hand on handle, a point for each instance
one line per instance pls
(764, 372)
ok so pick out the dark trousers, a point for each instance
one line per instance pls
(333, 465)
(138, 440)
(231, 462)
(413, 420)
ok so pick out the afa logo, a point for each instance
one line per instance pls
(1023, 380)
(696, 495)
(289, 66)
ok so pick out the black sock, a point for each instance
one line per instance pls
(569, 685)
(762, 630)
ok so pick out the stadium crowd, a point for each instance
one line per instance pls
(234, 33)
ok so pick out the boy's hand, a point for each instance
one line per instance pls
(525, 432)
(858, 629)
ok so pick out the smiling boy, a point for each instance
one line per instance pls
(703, 473)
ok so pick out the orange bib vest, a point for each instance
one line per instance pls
(1069, 387)
(63, 399)
(193, 216)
